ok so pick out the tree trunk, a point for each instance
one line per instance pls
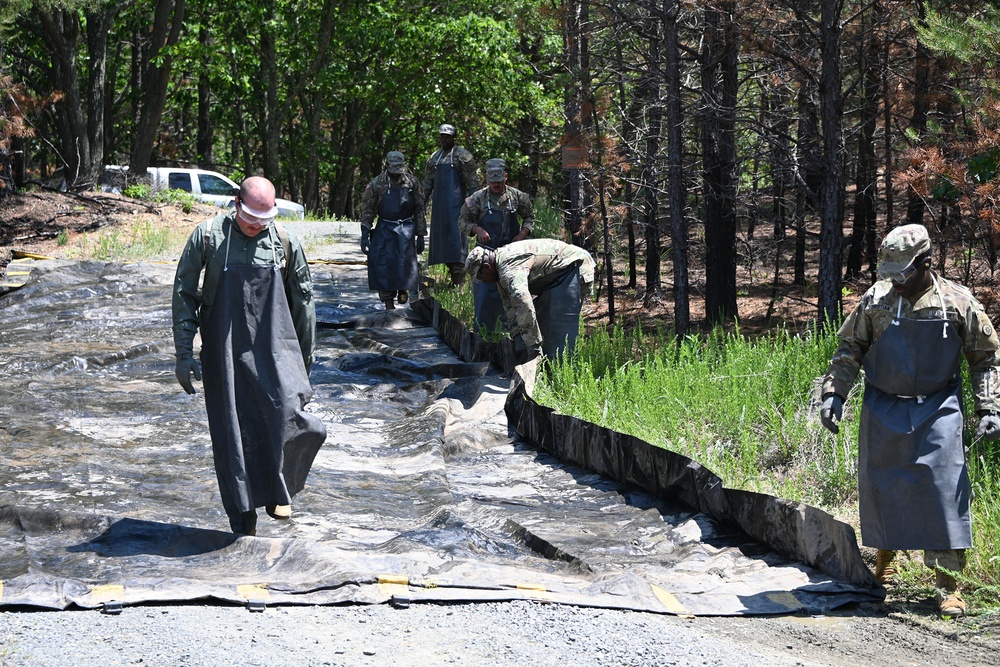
(204, 145)
(832, 197)
(271, 121)
(866, 178)
(718, 89)
(675, 169)
(918, 122)
(168, 19)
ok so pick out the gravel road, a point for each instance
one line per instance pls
(514, 633)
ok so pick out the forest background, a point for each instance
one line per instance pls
(706, 150)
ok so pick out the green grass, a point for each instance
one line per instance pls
(746, 408)
(143, 241)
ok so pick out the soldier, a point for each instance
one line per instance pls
(910, 332)
(243, 282)
(496, 215)
(451, 175)
(541, 283)
(395, 197)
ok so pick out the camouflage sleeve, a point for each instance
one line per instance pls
(855, 339)
(980, 346)
(429, 172)
(369, 206)
(526, 211)
(420, 210)
(470, 172)
(521, 307)
(469, 216)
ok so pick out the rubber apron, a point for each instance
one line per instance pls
(912, 478)
(557, 308)
(392, 254)
(447, 244)
(502, 224)
(256, 386)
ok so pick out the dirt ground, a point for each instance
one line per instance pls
(901, 631)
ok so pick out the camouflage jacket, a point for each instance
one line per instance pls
(377, 188)
(477, 205)
(463, 161)
(875, 313)
(522, 265)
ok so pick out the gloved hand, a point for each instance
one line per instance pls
(184, 369)
(832, 412)
(989, 427)
(365, 231)
(420, 244)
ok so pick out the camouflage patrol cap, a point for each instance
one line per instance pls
(475, 260)
(900, 247)
(447, 129)
(395, 163)
(496, 170)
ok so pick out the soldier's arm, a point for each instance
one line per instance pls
(368, 205)
(521, 308)
(420, 210)
(185, 302)
(299, 290)
(468, 217)
(428, 178)
(470, 172)
(982, 350)
(855, 339)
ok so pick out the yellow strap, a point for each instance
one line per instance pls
(785, 599)
(253, 591)
(106, 593)
(670, 601)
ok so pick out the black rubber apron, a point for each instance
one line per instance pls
(912, 478)
(392, 254)
(256, 386)
(447, 244)
(557, 308)
(502, 224)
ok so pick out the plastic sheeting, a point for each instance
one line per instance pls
(422, 491)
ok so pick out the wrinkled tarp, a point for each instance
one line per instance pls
(421, 493)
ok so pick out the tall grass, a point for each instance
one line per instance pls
(143, 240)
(747, 408)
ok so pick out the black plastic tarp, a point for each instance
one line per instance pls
(424, 490)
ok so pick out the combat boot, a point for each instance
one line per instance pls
(389, 304)
(950, 602)
(279, 511)
(885, 566)
(403, 296)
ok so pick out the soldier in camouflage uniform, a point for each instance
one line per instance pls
(542, 283)
(909, 333)
(395, 199)
(496, 215)
(450, 176)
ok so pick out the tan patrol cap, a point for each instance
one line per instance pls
(474, 261)
(901, 246)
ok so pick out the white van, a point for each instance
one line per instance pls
(207, 186)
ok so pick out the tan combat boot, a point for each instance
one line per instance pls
(279, 511)
(403, 296)
(885, 566)
(950, 602)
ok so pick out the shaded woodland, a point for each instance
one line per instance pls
(672, 135)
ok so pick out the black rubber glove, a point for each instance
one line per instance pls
(420, 244)
(989, 427)
(184, 369)
(832, 412)
(365, 231)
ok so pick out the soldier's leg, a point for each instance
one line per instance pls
(950, 602)
(457, 270)
(388, 298)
